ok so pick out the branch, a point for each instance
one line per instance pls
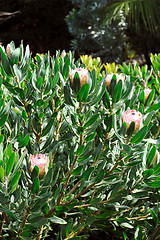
(24, 221)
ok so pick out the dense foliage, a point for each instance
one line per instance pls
(101, 176)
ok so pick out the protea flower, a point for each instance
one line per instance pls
(82, 72)
(132, 116)
(40, 160)
(109, 78)
(147, 92)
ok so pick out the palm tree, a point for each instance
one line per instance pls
(137, 12)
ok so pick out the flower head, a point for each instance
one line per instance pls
(147, 92)
(132, 116)
(40, 160)
(109, 78)
(82, 72)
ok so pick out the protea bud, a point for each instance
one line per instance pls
(132, 116)
(109, 78)
(82, 72)
(155, 159)
(147, 92)
(8, 51)
(40, 160)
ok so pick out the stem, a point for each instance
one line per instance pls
(81, 193)
(92, 165)
(74, 162)
(58, 128)
(71, 235)
(39, 236)
(133, 218)
(155, 234)
(24, 221)
(2, 223)
(81, 123)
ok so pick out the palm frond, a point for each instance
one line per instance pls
(135, 10)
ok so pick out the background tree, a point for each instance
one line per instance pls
(143, 18)
(92, 35)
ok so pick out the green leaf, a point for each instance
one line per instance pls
(91, 121)
(147, 173)
(154, 216)
(150, 98)
(156, 169)
(55, 79)
(150, 156)
(35, 173)
(112, 85)
(76, 82)
(90, 137)
(14, 181)
(37, 221)
(47, 128)
(66, 68)
(123, 129)
(16, 100)
(47, 87)
(80, 150)
(48, 177)
(155, 184)
(117, 92)
(10, 164)
(35, 187)
(100, 91)
(15, 56)
(106, 99)
(133, 163)
(57, 220)
(131, 129)
(8, 151)
(90, 220)
(17, 72)
(148, 118)
(83, 93)
(3, 120)
(1, 174)
(99, 176)
(127, 148)
(87, 173)
(39, 82)
(6, 64)
(126, 225)
(142, 97)
(67, 96)
(139, 135)
(23, 142)
(77, 170)
(154, 107)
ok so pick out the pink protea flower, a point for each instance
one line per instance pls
(147, 92)
(109, 78)
(83, 73)
(132, 116)
(40, 160)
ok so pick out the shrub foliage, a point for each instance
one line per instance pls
(101, 176)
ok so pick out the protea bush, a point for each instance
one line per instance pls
(71, 165)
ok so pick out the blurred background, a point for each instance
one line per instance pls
(116, 31)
